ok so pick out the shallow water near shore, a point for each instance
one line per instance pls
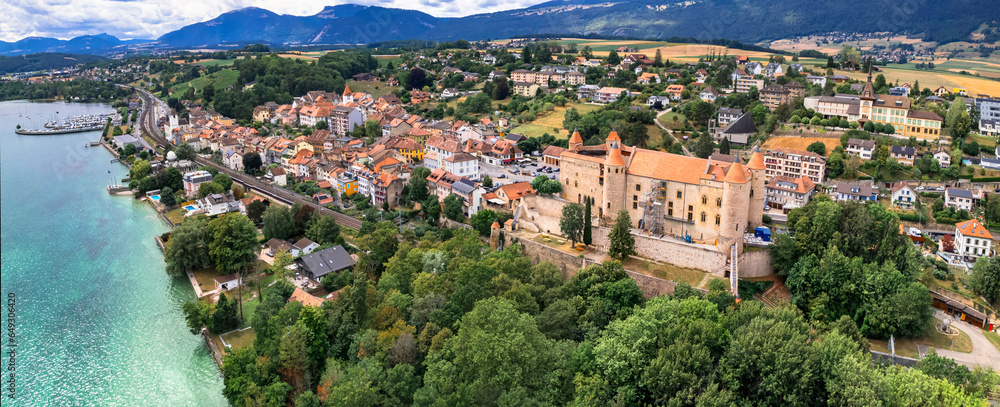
(97, 320)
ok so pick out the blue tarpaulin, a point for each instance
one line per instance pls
(763, 233)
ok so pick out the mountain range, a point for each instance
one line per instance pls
(744, 20)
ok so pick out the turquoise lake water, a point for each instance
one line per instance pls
(98, 321)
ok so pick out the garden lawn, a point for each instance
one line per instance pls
(239, 339)
(667, 120)
(907, 347)
(176, 216)
(206, 278)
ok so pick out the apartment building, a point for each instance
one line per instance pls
(794, 164)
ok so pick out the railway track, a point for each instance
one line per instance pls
(147, 124)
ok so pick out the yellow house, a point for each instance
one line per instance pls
(406, 147)
(347, 186)
(960, 91)
(922, 124)
(303, 145)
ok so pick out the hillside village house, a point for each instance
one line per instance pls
(904, 155)
(903, 196)
(846, 191)
(277, 176)
(728, 115)
(861, 148)
(739, 131)
(972, 240)
(958, 198)
(320, 263)
(943, 158)
(675, 91)
(608, 94)
(787, 193)
(774, 95)
(794, 163)
(744, 84)
(217, 204)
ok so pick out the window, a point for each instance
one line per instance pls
(718, 219)
(678, 194)
(609, 205)
(635, 205)
(718, 202)
(704, 200)
(638, 187)
(703, 216)
(670, 212)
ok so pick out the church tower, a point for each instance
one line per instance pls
(348, 96)
(867, 99)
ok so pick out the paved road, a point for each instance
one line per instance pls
(983, 352)
(147, 124)
(670, 132)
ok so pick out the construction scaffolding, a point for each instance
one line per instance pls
(652, 214)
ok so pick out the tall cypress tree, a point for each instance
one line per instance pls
(587, 238)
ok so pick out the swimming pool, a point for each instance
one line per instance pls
(155, 198)
(189, 207)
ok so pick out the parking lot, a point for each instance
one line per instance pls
(517, 172)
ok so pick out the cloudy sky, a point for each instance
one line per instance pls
(151, 18)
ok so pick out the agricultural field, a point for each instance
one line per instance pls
(810, 43)
(907, 73)
(384, 60)
(208, 62)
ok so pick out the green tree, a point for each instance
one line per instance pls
(224, 181)
(140, 169)
(167, 197)
(431, 208)
(704, 147)
(324, 230)
(571, 222)
(278, 223)
(724, 146)
(233, 244)
(187, 248)
(498, 357)
(184, 151)
(985, 279)
(453, 207)
(622, 243)
(958, 119)
(418, 184)
(587, 223)
(209, 188)
(487, 181)
(817, 147)
(224, 319)
(255, 211)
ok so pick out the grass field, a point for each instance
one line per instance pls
(694, 277)
(206, 278)
(240, 339)
(176, 216)
(374, 88)
(221, 80)
(668, 120)
(552, 122)
(800, 143)
(994, 338)
(384, 60)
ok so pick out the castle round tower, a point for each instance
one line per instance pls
(614, 179)
(735, 200)
(757, 190)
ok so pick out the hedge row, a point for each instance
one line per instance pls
(909, 217)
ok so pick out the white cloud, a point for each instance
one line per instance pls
(151, 18)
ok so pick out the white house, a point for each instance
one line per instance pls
(944, 158)
(958, 198)
(972, 239)
(305, 246)
(218, 204)
(861, 148)
(233, 159)
(903, 196)
(816, 80)
(228, 282)
(462, 164)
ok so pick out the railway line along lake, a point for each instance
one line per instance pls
(98, 321)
